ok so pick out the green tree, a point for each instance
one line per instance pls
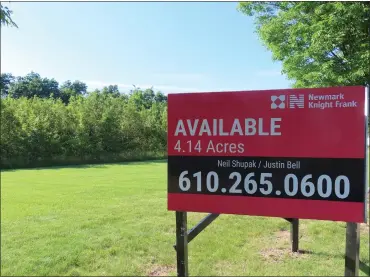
(69, 89)
(33, 85)
(37, 129)
(319, 43)
(5, 17)
(160, 97)
(6, 79)
(144, 99)
(11, 133)
(78, 87)
(111, 90)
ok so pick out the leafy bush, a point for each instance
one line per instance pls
(98, 127)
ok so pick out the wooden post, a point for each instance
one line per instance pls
(294, 234)
(182, 244)
(352, 259)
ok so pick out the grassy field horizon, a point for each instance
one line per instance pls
(112, 219)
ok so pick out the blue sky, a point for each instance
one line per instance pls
(174, 47)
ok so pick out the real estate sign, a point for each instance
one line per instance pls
(294, 153)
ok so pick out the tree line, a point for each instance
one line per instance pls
(44, 123)
(319, 44)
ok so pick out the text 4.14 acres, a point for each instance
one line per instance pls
(215, 127)
(212, 147)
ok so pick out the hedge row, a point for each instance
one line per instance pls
(94, 128)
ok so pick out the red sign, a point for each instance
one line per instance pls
(294, 153)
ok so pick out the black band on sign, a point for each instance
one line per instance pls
(332, 179)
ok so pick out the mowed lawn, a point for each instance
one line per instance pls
(113, 220)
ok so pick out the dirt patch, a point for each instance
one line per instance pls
(279, 254)
(283, 235)
(161, 270)
(281, 239)
(273, 254)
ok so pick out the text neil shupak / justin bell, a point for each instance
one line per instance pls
(257, 164)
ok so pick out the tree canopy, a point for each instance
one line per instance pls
(33, 85)
(319, 43)
(5, 17)
(43, 123)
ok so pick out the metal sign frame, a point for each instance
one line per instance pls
(185, 236)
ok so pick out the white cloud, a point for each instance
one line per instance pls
(163, 88)
(126, 87)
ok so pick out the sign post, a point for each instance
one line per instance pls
(294, 154)
(352, 256)
(294, 234)
(352, 249)
(182, 243)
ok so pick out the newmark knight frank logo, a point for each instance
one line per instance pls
(292, 101)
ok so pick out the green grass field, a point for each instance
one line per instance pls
(113, 220)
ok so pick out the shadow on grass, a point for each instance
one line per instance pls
(305, 252)
(363, 266)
